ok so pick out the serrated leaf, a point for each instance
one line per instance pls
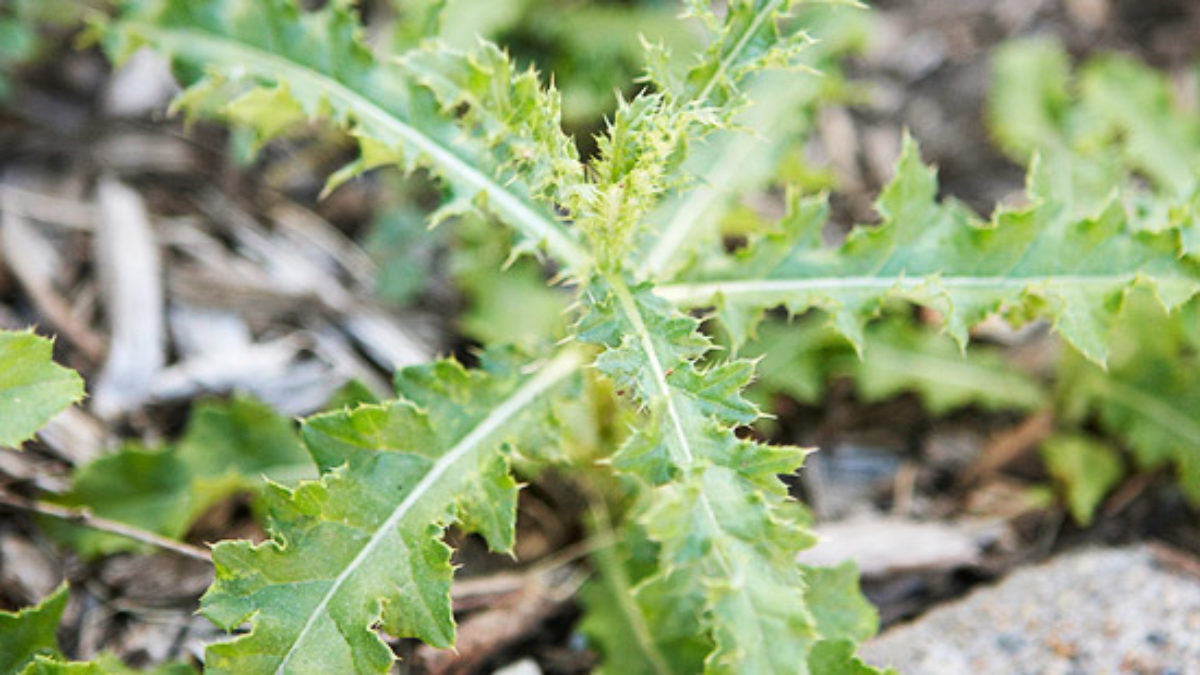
(30, 632)
(733, 162)
(1087, 468)
(315, 64)
(32, 387)
(1035, 260)
(1114, 107)
(747, 39)
(519, 121)
(726, 530)
(1117, 124)
(361, 547)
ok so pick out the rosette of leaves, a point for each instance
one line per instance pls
(717, 586)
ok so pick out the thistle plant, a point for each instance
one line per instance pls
(703, 574)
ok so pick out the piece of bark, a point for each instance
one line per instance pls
(138, 152)
(75, 436)
(34, 262)
(287, 267)
(157, 580)
(882, 546)
(306, 227)
(26, 569)
(67, 213)
(142, 85)
(225, 370)
(198, 331)
(129, 268)
(34, 469)
(389, 343)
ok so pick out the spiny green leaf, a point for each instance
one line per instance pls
(736, 161)
(30, 632)
(1034, 260)
(508, 110)
(744, 45)
(1118, 124)
(638, 163)
(1088, 469)
(361, 548)
(726, 529)
(269, 62)
(32, 387)
(747, 39)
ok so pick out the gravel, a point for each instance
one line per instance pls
(1097, 611)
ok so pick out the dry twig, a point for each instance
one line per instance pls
(86, 518)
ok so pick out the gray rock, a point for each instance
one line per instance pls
(1097, 611)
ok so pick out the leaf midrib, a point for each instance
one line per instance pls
(629, 307)
(217, 48)
(743, 39)
(704, 291)
(676, 231)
